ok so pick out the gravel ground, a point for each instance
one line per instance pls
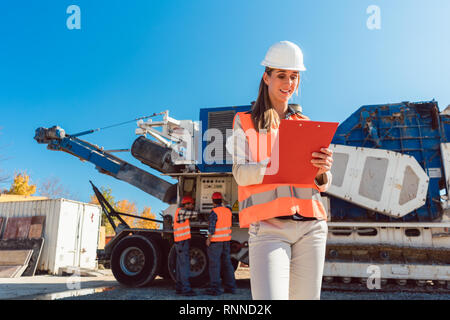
(164, 290)
(105, 287)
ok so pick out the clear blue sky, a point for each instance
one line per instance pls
(133, 58)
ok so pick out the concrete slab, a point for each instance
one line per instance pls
(82, 272)
(28, 287)
(25, 244)
(9, 271)
(15, 257)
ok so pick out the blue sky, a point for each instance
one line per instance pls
(134, 58)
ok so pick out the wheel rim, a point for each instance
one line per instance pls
(132, 261)
(198, 261)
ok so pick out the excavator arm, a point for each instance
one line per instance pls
(56, 139)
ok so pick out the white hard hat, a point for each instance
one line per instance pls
(284, 55)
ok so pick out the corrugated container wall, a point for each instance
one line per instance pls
(70, 233)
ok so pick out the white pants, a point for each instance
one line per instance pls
(286, 259)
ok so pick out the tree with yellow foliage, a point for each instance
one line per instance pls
(147, 224)
(126, 206)
(21, 185)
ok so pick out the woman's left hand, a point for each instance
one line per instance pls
(322, 160)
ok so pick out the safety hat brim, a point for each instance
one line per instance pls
(265, 64)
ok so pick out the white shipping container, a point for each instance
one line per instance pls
(71, 231)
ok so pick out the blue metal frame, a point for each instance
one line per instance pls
(88, 152)
(414, 129)
(203, 167)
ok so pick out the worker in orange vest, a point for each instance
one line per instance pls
(287, 223)
(218, 243)
(182, 236)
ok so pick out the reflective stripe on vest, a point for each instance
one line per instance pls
(227, 234)
(223, 224)
(181, 231)
(280, 192)
(264, 201)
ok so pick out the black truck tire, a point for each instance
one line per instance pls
(198, 259)
(135, 261)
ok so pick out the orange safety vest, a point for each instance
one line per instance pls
(264, 201)
(223, 225)
(181, 231)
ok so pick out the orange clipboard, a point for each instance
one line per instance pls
(290, 160)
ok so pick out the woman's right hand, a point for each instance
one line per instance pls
(322, 160)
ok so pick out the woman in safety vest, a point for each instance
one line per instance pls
(287, 223)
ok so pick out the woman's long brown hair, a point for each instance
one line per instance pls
(264, 115)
